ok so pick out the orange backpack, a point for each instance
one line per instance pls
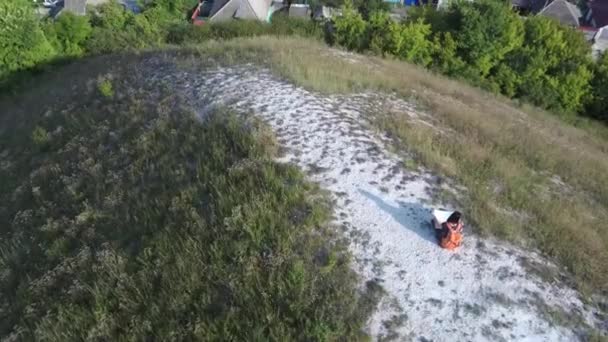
(454, 237)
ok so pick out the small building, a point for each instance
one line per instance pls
(300, 11)
(566, 13)
(600, 42)
(221, 10)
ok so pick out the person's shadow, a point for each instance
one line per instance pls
(412, 216)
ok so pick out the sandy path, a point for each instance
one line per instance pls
(481, 293)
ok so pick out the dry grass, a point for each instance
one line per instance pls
(531, 177)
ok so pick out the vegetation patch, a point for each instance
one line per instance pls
(506, 156)
(127, 217)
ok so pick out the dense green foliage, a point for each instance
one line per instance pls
(599, 106)
(485, 42)
(26, 41)
(68, 34)
(115, 29)
(350, 29)
(22, 42)
(550, 68)
(127, 218)
(484, 31)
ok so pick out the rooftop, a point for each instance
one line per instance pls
(564, 12)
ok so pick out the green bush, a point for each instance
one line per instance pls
(380, 33)
(486, 43)
(186, 33)
(176, 9)
(553, 65)
(484, 31)
(68, 33)
(368, 7)
(115, 29)
(350, 29)
(598, 103)
(22, 41)
(446, 58)
(411, 42)
(40, 137)
(105, 87)
(110, 15)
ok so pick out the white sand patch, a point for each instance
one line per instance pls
(479, 293)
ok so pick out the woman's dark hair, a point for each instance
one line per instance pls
(455, 217)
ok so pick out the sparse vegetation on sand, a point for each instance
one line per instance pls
(125, 217)
(531, 178)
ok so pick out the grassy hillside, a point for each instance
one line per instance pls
(124, 217)
(531, 178)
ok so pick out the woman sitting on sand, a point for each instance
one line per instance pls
(449, 235)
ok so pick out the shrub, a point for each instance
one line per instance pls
(411, 42)
(109, 15)
(368, 7)
(22, 41)
(176, 9)
(68, 33)
(186, 33)
(484, 31)
(446, 58)
(598, 103)
(553, 64)
(115, 29)
(380, 33)
(40, 137)
(105, 87)
(350, 28)
(487, 44)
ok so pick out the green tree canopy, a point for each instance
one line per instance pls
(598, 107)
(552, 64)
(68, 33)
(350, 28)
(22, 42)
(114, 28)
(484, 31)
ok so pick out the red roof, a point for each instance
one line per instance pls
(599, 8)
(587, 28)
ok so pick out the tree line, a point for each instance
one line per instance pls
(27, 41)
(485, 42)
